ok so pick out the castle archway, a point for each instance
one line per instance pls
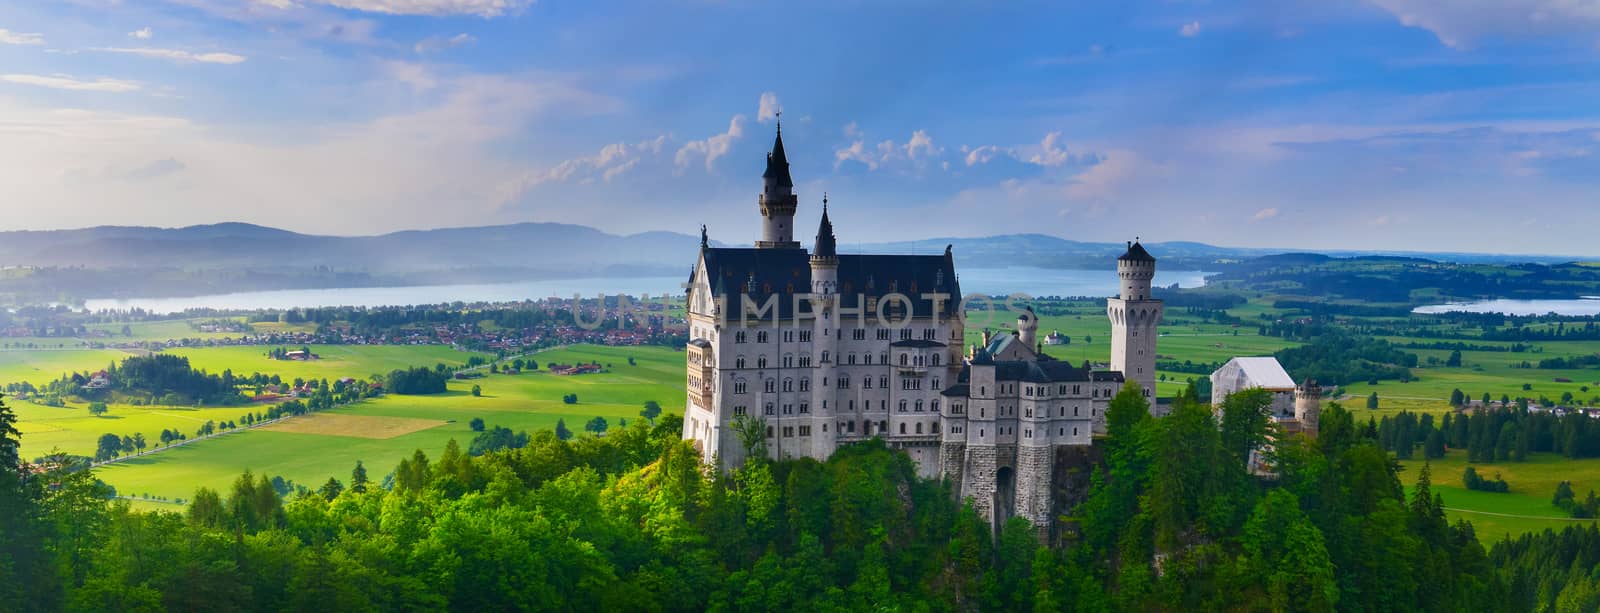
(1005, 496)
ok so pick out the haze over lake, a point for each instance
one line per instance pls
(991, 281)
(1586, 306)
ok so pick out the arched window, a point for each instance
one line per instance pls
(788, 385)
(824, 356)
(936, 359)
(902, 427)
(761, 337)
(805, 385)
(738, 362)
(904, 359)
(919, 427)
(772, 386)
(761, 361)
(902, 405)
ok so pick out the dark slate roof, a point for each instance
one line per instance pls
(826, 244)
(918, 343)
(759, 273)
(1136, 253)
(1044, 370)
(778, 163)
(700, 342)
(999, 343)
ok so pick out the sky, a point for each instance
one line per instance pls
(1469, 125)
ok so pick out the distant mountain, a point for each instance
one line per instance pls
(143, 261)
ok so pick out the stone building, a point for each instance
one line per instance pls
(1295, 408)
(807, 351)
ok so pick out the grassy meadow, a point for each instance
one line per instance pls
(1526, 508)
(380, 432)
(72, 429)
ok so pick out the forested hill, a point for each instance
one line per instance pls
(1173, 521)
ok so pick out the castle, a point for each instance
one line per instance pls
(801, 352)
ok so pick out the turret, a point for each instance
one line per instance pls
(1136, 268)
(1308, 406)
(1027, 327)
(825, 257)
(778, 202)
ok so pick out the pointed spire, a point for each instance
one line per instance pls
(826, 246)
(778, 163)
(705, 239)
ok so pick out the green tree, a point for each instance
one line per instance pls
(596, 425)
(476, 424)
(1454, 361)
(358, 478)
(477, 391)
(331, 489)
(1286, 556)
(562, 432)
(97, 408)
(1372, 400)
(651, 411)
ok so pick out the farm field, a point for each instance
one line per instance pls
(72, 429)
(1526, 508)
(381, 432)
(334, 361)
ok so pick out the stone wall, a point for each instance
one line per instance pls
(1034, 486)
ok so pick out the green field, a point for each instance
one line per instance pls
(1526, 508)
(529, 401)
(72, 429)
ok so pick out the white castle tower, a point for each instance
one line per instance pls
(1134, 315)
(778, 201)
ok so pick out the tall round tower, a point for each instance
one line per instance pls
(1308, 406)
(1134, 315)
(825, 332)
(1027, 328)
(778, 202)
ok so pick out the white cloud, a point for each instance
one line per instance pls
(1117, 170)
(851, 130)
(609, 163)
(982, 155)
(769, 109)
(1461, 22)
(1049, 153)
(70, 83)
(1190, 29)
(1265, 214)
(712, 147)
(20, 38)
(349, 177)
(918, 149)
(142, 33)
(921, 145)
(178, 55)
(436, 8)
(440, 43)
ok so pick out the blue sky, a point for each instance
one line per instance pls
(1376, 124)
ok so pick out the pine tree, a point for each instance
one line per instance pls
(358, 478)
(561, 430)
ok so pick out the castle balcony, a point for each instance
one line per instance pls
(911, 370)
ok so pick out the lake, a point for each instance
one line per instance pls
(993, 281)
(1581, 307)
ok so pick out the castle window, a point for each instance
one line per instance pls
(1074, 390)
(935, 383)
(905, 334)
(761, 336)
(904, 359)
(805, 430)
(919, 406)
(851, 426)
(788, 385)
(844, 383)
(852, 359)
(788, 336)
(805, 336)
(980, 432)
(919, 427)
(860, 335)
(761, 361)
(1074, 431)
(805, 385)
(883, 381)
(883, 358)
(739, 410)
(902, 427)
(788, 409)
(769, 431)
(772, 386)
(929, 334)
(902, 405)
(883, 405)
(805, 360)
(883, 334)
(738, 337)
(852, 405)
(738, 362)
(738, 386)
(1074, 411)
(866, 382)
(824, 356)
(934, 405)
(768, 409)
(788, 361)
(788, 431)
(1029, 413)
(936, 359)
